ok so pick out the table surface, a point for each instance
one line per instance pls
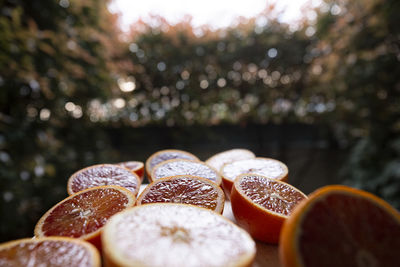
(267, 254)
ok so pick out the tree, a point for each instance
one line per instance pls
(357, 66)
(249, 73)
(56, 57)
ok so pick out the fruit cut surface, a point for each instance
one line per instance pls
(228, 156)
(103, 174)
(136, 167)
(261, 205)
(184, 189)
(270, 168)
(270, 194)
(49, 251)
(164, 155)
(353, 227)
(83, 214)
(185, 167)
(165, 234)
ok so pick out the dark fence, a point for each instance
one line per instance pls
(309, 151)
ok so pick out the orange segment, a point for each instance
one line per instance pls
(175, 167)
(49, 251)
(136, 167)
(261, 205)
(83, 214)
(222, 158)
(184, 189)
(270, 168)
(341, 226)
(103, 174)
(167, 154)
(166, 234)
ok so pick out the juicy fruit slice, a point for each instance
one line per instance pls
(184, 189)
(49, 251)
(83, 214)
(219, 160)
(353, 227)
(166, 234)
(103, 174)
(270, 168)
(261, 205)
(164, 155)
(136, 167)
(175, 167)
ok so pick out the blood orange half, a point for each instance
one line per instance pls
(261, 205)
(103, 174)
(219, 160)
(166, 234)
(270, 168)
(49, 251)
(167, 154)
(136, 167)
(175, 167)
(341, 226)
(186, 189)
(83, 214)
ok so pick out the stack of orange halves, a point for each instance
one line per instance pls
(177, 221)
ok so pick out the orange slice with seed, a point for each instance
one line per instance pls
(341, 226)
(163, 155)
(261, 205)
(175, 167)
(103, 174)
(166, 234)
(49, 251)
(82, 215)
(136, 167)
(270, 168)
(186, 189)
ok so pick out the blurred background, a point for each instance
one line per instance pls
(315, 85)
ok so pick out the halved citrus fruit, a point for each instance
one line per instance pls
(261, 205)
(103, 174)
(164, 155)
(49, 251)
(175, 167)
(186, 189)
(134, 166)
(167, 234)
(270, 168)
(341, 226)
(82, 215)
(228, 156)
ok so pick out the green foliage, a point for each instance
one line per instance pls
(238, 76)
(49, 57)
(374, 165)
(360, 72)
